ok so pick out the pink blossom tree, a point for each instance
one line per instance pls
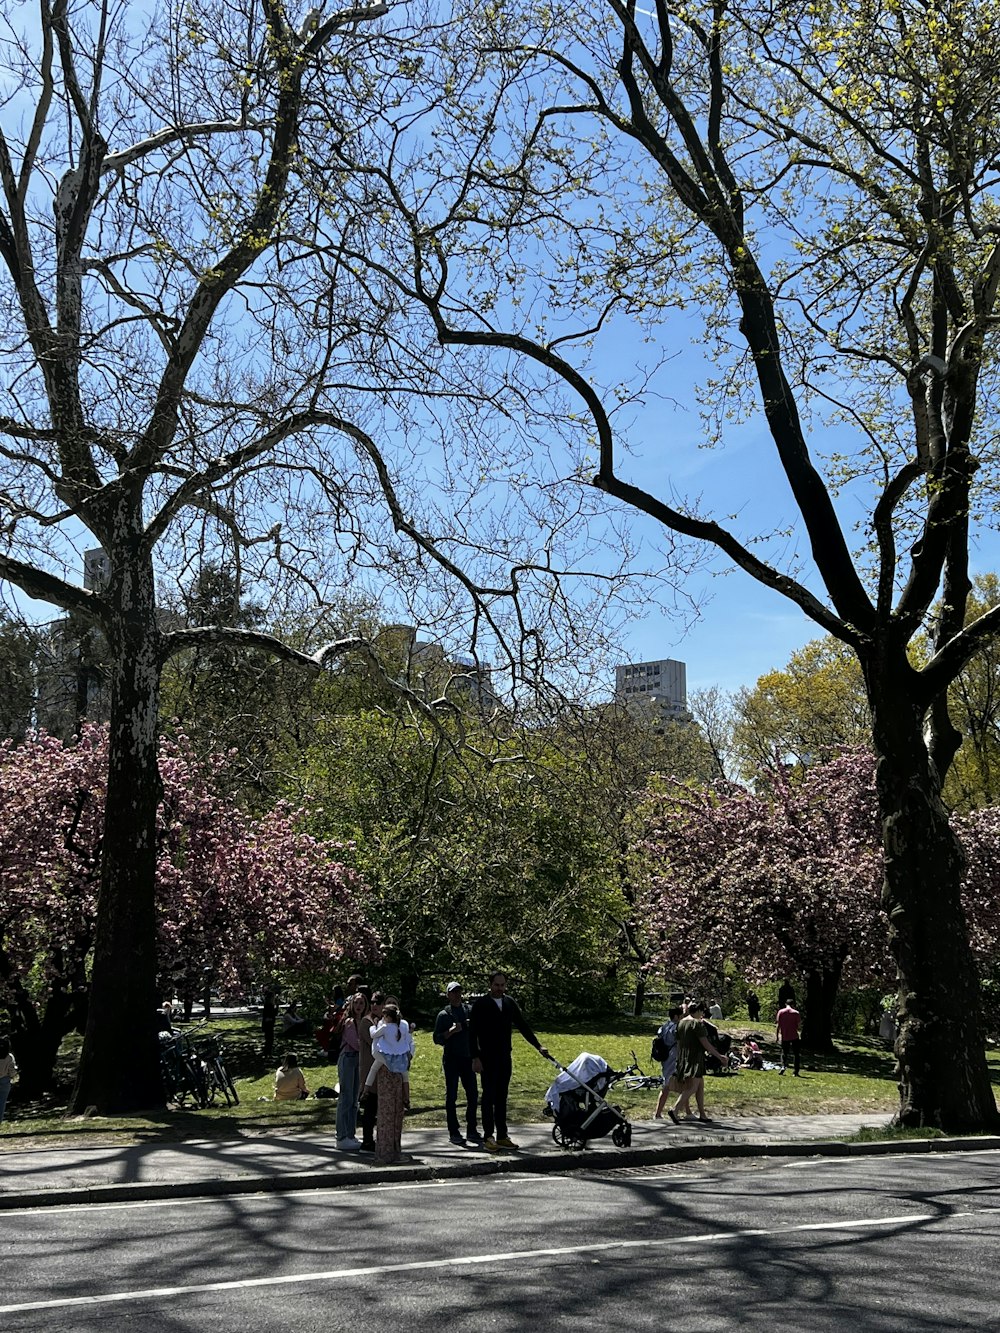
(785, 881)
(241, 896)
(979, 834)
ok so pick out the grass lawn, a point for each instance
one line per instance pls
(857, 1078)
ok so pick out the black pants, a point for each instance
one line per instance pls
(267, 1027)
(369, 1115)
(790, 1048)
(496, 1085)
(458, 1068)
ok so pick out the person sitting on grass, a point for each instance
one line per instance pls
(289, 1081)
(392, 1047)
(751, 1056)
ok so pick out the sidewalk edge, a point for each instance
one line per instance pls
(550, 1163)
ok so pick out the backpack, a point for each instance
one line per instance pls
(659, 1050)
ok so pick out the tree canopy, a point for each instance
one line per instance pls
(239, 896)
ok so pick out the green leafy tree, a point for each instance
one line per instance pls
(477, 856)
(806, 713)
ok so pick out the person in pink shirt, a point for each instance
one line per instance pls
(787, 1032)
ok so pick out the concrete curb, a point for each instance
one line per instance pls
(551, 1163)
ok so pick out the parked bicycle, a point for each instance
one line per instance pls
(195, 1073)
(217, 1077)
(182, 1070)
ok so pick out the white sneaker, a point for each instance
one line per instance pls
(348, 1145)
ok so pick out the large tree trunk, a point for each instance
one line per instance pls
(817, 1015)
(940, 1047)
(119, 1067)
(36, 1036)
(640, 995)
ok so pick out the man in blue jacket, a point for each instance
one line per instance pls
(492, 1020)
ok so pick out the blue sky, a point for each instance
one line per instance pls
(743, 629)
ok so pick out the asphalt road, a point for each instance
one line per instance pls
(890, 1243)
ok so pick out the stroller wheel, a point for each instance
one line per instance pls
(621, 1136)
(566, 1140)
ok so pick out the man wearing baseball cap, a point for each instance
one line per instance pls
(451, 1033)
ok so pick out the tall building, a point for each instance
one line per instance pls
(70, 681)
(659, 687)
(429, 666)
(96, 569)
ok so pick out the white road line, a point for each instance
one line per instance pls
(40, 1210)
(471, 1260)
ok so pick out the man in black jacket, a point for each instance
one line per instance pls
(492, 1020)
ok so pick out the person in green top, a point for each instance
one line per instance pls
(692, 1043)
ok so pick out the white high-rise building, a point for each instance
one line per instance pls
(659, 686)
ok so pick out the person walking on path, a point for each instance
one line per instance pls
(8, 1072)
(369, 1107)
(492, 1020)
(668, 1036)
(787, 1032)
(348, 1073)
(451, 1033)
(692, 1046)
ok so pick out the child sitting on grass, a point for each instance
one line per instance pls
(392, 1046)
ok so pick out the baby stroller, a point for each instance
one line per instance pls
(723, 1043)
(576, 1101)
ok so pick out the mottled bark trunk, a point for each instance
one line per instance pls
(940, 1048)
(119, 1066)
(817, 1013)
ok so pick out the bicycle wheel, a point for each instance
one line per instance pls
(219, 1079)
(194, 1076)
(229, 1084)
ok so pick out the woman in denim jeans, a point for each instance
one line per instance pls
(347, 1072)
(8, 1069)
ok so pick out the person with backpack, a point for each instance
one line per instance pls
(664, 1049)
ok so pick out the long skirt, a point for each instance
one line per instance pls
(389, 1125)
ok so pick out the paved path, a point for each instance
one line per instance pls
(268, 1160)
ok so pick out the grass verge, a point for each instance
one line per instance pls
(856, 1078)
